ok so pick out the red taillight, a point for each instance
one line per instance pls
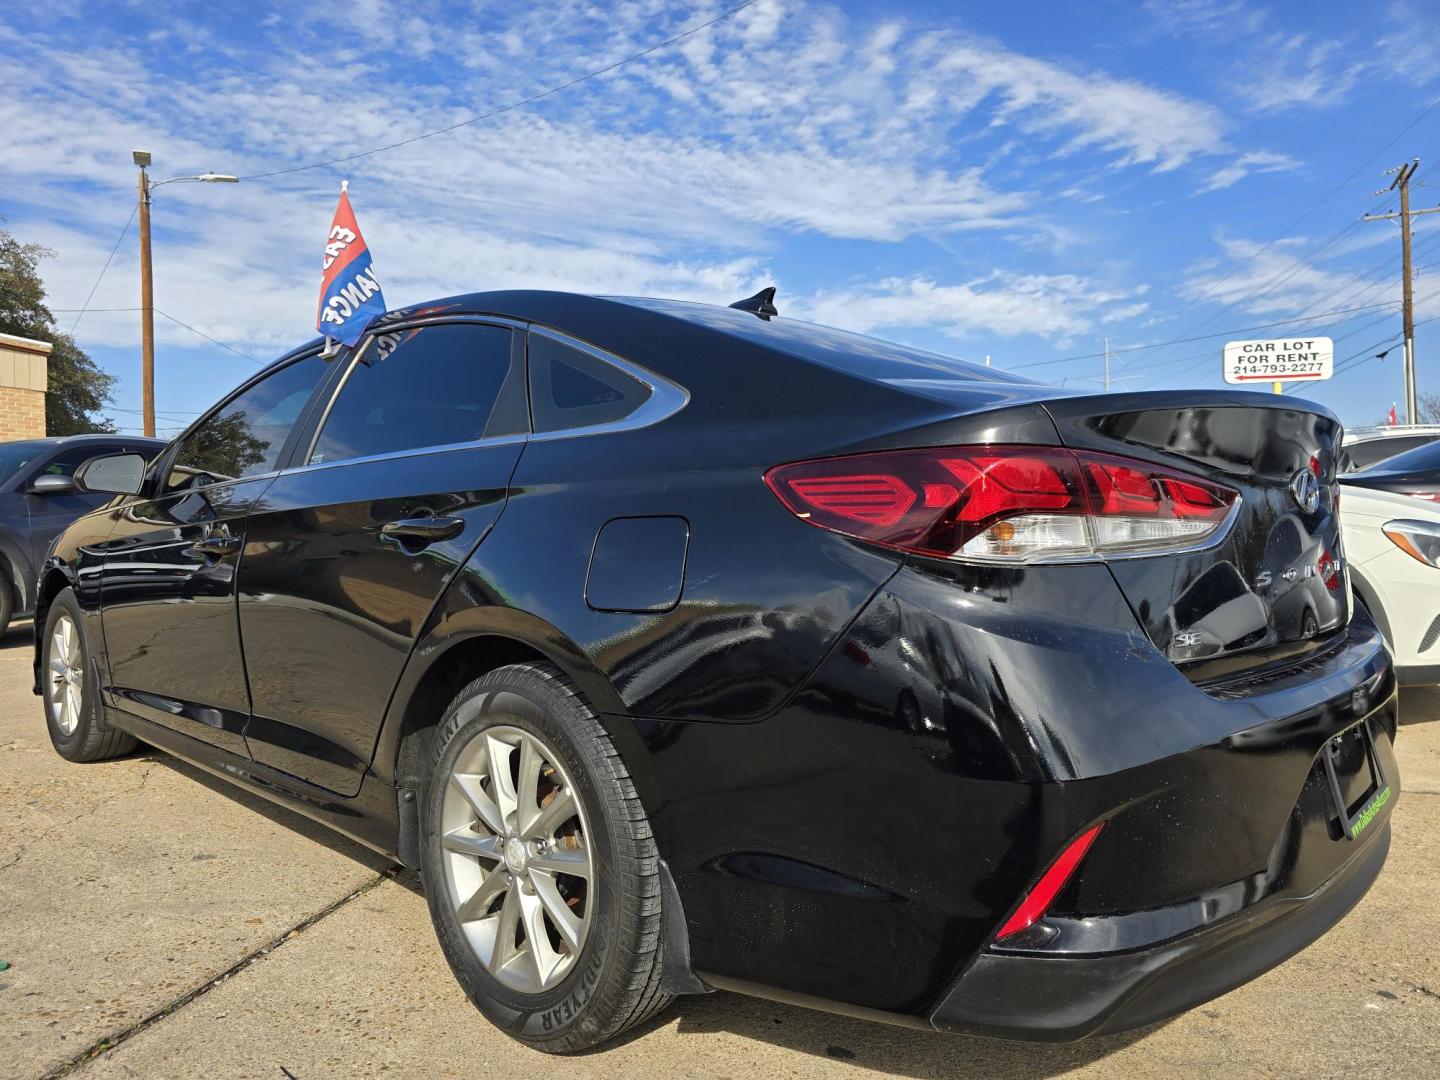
(1005, 503)
(1039, 899)
(1329, 571)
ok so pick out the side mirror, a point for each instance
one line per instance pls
(113, 474)
(52, 484)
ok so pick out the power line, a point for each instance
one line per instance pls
(113, 248)
(177, 322)
(207, 337)
(97, 310)
(1209, 357)
(1202, 337)
(1367, 286)
(1322, 201)
(514, 104)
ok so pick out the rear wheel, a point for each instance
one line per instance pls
(71, 689)
(540, 868)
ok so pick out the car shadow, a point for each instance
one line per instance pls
(18, 637)
(902, 1051)
(280, 815)
(1419, 705)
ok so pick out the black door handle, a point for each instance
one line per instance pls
(419, 531)
(217, 546)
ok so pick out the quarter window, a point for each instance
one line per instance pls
(245, 437)
(430, 386)
(573, 389)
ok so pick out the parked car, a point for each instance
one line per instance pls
(1392, 543)
(1415, 472)
(38, 498)
(687, 647)
(1367, 446)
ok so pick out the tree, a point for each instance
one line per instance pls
(222, 448)
(78, 389)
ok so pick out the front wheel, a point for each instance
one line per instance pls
(71, 688)
(540, 869)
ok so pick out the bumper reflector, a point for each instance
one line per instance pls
(1038, 899)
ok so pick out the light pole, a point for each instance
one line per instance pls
(147, 286)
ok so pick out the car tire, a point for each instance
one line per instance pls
(70, 686)
(523, 737)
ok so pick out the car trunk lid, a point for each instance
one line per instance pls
(1275, 586)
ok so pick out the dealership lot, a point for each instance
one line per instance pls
(207, 933)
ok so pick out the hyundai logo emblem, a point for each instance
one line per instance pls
(1305, 490)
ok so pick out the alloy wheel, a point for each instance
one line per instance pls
(67, 675)
(517, 856)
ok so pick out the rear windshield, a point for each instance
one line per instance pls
(1420, 459)
(854, 354)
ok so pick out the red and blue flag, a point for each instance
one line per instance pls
(350, 294)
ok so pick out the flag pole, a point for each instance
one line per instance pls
(331, 347)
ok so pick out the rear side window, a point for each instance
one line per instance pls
(428, 386)
(573, 389)
(245, 437)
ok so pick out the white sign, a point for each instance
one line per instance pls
(1286, 360)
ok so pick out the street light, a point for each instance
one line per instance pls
(147, 288)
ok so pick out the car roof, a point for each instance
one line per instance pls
(1388, 431)
(711, 349)
(91, 436)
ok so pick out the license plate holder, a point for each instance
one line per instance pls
(1372, 799)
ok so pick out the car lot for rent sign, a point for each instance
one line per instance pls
(1284, 360)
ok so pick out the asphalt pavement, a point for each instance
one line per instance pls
(159, 923)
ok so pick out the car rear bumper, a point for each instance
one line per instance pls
(1063, 998)
(960, 735)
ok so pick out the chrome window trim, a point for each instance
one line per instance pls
(665, 400)
(391, 455)
(330, 403)
(405, 324)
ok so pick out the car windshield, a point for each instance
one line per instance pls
(16, 455)
(1424, 458)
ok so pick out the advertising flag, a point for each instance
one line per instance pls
(349, 291)
(1392, 414)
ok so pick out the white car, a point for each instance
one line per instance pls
(1393, 545)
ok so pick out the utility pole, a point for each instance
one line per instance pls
(147, 284)
(1401, 183)
(1107, 363)
(147, 301)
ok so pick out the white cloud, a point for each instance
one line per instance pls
(1272, 69)
(1259, 161)
(1294, 70)
(1282, 280)
(683, 174)
(1054, 306)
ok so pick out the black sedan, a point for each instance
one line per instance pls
(687, 647)
(1415, 472)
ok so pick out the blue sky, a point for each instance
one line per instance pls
(1014, 180)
